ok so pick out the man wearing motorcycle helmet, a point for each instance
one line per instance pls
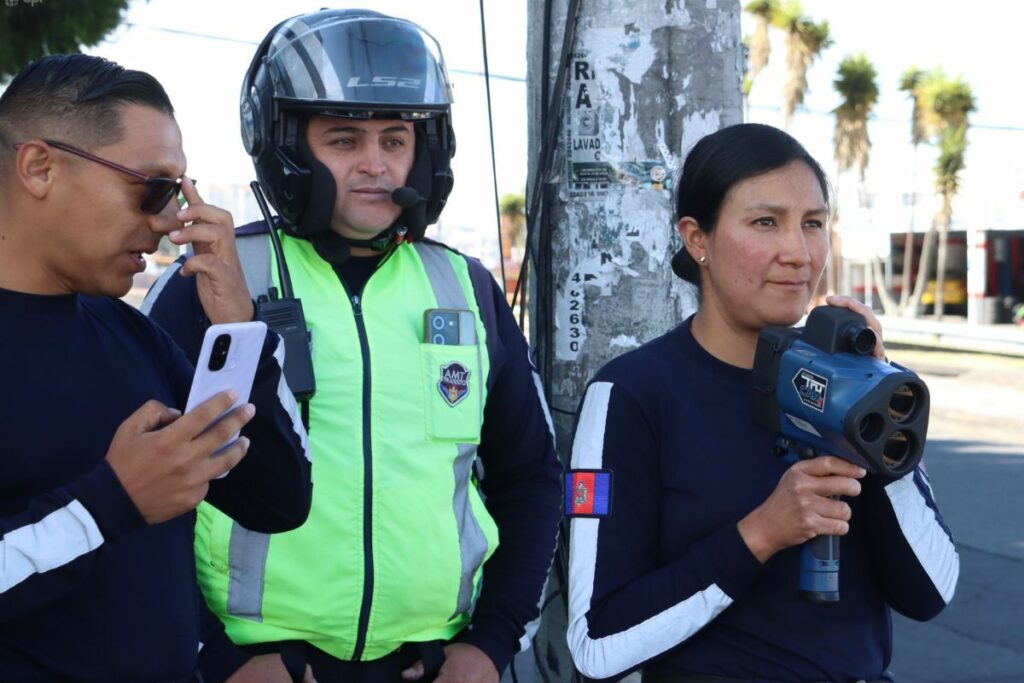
(431, 441)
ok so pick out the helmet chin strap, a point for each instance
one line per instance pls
(336, 249)
(383, 240)
(412, 204)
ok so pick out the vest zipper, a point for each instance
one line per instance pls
(364, 610)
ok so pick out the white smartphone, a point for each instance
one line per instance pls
(227, 360)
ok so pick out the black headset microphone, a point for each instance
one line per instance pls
(407, 197)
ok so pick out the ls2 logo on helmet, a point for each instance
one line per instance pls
(454, 384)
(384, 82)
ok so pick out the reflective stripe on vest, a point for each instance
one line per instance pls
(472, 542)
(248, 560)
(248, 550)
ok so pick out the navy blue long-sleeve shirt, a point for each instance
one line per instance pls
(88, 590)
(666, 582)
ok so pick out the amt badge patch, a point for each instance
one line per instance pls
(454, 383)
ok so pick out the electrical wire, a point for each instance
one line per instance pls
(528, 255)
(538, 227)
(242, 41)
(494, 163)
(539, 234)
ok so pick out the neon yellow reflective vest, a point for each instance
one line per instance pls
(397, 535)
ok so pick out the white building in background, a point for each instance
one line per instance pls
(238, 199)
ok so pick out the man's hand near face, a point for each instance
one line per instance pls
(220, 280)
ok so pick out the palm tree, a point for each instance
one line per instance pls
(748, 80)
(857, 84)
(805, 40)
(946, 104)
(763, 12)
(758, 46)
(952, 102)
(512, 208)
(910, 83)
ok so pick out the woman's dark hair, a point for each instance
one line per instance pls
(720, 160)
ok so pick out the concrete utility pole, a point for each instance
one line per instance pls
(644, 81)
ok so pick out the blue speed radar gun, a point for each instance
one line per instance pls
(823, 393)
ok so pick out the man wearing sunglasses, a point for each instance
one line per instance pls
(159, 190)
(99, 470)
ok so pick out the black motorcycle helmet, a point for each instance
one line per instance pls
(352, 64)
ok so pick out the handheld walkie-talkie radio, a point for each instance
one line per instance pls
(282, 313)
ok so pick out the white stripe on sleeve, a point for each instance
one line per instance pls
(614, 653)
(929, 541)
(287, 399)
(158, 287)
(539, 386)
(57, 539)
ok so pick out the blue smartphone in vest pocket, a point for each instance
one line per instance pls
(449, 327)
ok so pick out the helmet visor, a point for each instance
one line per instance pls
(361, 63)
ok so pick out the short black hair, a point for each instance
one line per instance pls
(73, 98)
(721, 160)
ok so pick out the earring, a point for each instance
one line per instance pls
(702, 260)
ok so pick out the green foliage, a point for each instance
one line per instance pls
(910, 79)
(857, 83)
(513, 204)
(30, 29)
(759, 44)
(786, 16)
(748, 83)
(940, 102)
(951, 101)
(805, 40)
(952, 150)
(910, 83)
(762, 8)
(814, 36)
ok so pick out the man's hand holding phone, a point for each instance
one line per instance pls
(163, 459)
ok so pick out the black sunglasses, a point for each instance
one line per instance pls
(160, 190)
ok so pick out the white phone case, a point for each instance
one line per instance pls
(238, 371)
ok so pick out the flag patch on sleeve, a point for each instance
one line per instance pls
(588, 493)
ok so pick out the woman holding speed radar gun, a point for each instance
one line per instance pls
(687, 525)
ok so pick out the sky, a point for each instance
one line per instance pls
(200, 50)
(974, 40)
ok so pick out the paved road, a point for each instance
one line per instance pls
(975, 458)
